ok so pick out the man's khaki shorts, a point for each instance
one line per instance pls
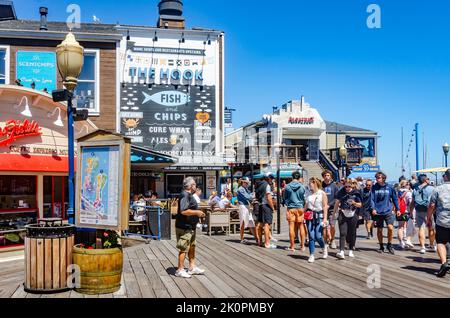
(185, 240)
(295, 215)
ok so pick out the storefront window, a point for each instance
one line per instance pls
(174, 183)
(17, 192)
(18, 208)
(55, 197)
(2, 66)
(367, 145)
(87, 88)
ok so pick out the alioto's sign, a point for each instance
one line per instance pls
(301, 120)
(14, 130)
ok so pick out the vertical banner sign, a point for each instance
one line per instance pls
(38, 68)
(228, 118)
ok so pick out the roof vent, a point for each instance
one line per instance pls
(171, 7)
(43, 11)
(171, 14)
(7, 11)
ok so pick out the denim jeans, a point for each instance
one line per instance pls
(315, 230)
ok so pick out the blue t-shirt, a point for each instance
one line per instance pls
(384, 198)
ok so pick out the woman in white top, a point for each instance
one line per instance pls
(405, 195)
(316, 216)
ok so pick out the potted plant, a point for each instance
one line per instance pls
(100, 264)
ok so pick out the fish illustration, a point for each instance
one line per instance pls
(136, 158)
(167, 98)
(149, 159)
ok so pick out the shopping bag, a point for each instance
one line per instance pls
(411, 228)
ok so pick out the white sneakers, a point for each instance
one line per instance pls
(423, 250)
(183, 274)
(333, 245)
(311, 259)
(409, 244)
(325, 253)
(196, 271)
(351, 254)
(341, 255)
(188, 274)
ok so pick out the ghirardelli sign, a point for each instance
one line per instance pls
(301, 120)
(14, 130)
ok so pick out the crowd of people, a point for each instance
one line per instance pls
(318, 209)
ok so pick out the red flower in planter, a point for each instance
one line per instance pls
(82, 245)
(106, 234)
(90, 248)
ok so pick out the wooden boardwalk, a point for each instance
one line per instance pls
(246, 271)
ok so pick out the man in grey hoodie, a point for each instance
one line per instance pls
(294, 198)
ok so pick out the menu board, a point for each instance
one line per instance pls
(178, 121)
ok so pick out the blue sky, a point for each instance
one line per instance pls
(381, 79)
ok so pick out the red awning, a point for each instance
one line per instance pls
(34, 163)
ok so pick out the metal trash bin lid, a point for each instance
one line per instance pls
(50, 228)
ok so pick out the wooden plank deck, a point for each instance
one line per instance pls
(247, 271)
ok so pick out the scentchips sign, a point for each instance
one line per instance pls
(301, 120)
(14, 130)
(38, 68)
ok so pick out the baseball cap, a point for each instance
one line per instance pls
(246, 180)
(269, 175)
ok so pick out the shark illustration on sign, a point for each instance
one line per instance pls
(167, 98)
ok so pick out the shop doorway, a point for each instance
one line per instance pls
(56, 198)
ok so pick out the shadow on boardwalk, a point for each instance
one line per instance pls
(236, 270)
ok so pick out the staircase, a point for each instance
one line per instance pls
(313, 169)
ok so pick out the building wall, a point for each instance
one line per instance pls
(331, 141)
(108, 79)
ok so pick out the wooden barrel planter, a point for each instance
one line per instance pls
(100, 269)
(48, 254)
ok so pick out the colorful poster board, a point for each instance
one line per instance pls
(37, 67)
(99, 196)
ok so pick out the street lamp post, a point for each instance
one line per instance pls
(343, 154)
(277, 153)
(70, 59)
(446, 149)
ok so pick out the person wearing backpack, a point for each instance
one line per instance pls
(404, 201)
(266, 209)
(440, 207)
(420, 201)
(294, 198)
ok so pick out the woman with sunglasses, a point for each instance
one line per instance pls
(348, 201)
(316, 217)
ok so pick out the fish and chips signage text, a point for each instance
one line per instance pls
(14, 130)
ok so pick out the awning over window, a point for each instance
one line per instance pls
(142, 157)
